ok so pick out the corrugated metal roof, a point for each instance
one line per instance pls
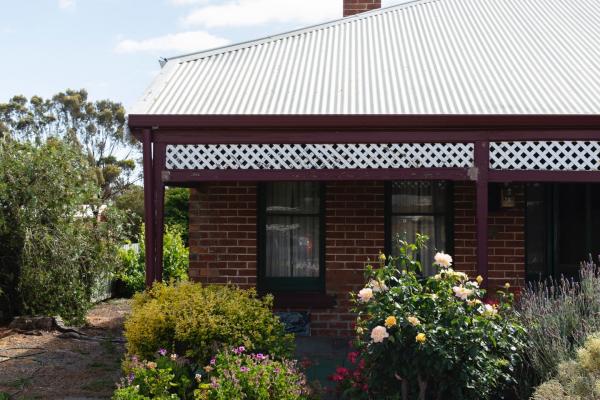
(421, 57)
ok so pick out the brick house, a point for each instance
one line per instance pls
(475, 122)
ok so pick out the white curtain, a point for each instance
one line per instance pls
(293, 229)
(420, 207)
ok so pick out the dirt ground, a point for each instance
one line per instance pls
(46, 366)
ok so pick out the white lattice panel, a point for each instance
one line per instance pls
(319, 156)
(547, 156)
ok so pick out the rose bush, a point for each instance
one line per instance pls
(433, 337)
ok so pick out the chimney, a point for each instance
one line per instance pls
(352, 7)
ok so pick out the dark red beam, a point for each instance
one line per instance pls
(482, 153)
(543, 176)
(186, 176)
(320, 136)
(149, 207)
(357, 122)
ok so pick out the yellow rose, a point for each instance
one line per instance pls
(390, 321)
(381, 257)
(151, 365)
(414, 321)
(421, 338)
(479, 279)
(507, 286)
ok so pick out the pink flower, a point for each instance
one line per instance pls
(162, 352)
(352, 356)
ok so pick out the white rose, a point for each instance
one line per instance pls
(377, 286)
(443, 260)
(365, 294)
(379, 333)
(489, 310)
(462, 292)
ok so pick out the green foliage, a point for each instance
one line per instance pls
(237, 375)
(97, 128)
(559, 316)
(196, 321)
(177, 203)
(131, 201)
(578, 379)
(433, 337)
(169, 377)
(52, 246)
(229, 375)
(175, 260)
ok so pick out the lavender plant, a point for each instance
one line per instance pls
(559, 315)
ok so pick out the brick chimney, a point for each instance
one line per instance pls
(352, 7)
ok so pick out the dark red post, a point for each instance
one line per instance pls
(148, 205)
(159, 202)
(482, 162)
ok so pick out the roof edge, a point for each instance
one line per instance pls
(372, 121)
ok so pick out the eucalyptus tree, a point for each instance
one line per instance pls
(97, 128)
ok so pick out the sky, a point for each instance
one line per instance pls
(112, 47)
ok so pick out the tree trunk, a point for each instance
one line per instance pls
(422, 388)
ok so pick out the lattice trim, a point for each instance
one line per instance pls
(319, 156)
(546, 156)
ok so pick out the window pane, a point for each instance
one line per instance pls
(293, 198)
(416, 197)
(536, 233)
(595, 204)
(292, 246)
(571, 246)
(433, 226)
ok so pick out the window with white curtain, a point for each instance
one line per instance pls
(291, 229)
(420, 207)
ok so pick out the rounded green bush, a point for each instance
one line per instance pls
(197, 321)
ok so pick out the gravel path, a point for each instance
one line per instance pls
(46, 366)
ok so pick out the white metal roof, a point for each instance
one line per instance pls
(421, 57)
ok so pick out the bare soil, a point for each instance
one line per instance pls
(46, 366)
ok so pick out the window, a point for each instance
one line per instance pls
(291, 237)
(560, 228)
(420, 207)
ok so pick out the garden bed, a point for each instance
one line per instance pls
(45, 365)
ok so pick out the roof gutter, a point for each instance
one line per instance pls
(362, 122)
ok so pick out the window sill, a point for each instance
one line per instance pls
(303, 300)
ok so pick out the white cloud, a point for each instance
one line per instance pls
(64, 4)
(184, 42)
(259, 12)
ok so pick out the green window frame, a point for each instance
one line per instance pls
(268, 217)
(442, 213)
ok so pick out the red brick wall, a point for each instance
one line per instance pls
(352, 7)
(506, 238)
(223, 233)
(355, 233)
(223, 244)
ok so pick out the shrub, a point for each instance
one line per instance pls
(578, 379)
(51, 251)
(237, 375)
(229, 375)
(132, 270)
(559, 316)
(351, 382)
(168, 377)
(196, 321)
(433, 337)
